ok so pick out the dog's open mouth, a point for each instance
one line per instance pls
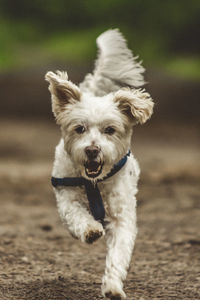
(93, 168)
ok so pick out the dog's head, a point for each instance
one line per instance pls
(96, 130)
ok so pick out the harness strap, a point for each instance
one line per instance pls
(92, 191)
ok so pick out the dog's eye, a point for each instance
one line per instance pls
(109, 130)
(80, 129)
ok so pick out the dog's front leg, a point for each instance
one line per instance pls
(80, 223)
(120, 237)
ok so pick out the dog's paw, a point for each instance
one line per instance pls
(113, 293)
(92, 236)
(93, 233)
(113, 296)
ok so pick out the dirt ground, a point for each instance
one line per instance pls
(40, 260)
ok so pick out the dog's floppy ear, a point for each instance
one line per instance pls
(62, 90)
(136, 104)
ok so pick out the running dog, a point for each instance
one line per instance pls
(95, 173)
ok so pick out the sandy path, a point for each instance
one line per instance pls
(40, 260)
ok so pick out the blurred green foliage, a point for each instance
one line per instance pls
(164, 33)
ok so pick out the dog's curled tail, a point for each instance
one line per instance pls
(115, 67)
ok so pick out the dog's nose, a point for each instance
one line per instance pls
(92, 152)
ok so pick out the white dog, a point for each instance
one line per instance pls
(94, 174)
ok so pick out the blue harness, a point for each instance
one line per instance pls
(92, 191)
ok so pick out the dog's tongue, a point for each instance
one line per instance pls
(92, 165)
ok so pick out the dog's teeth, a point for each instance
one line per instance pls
(94, 173)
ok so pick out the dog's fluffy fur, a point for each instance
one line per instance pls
(99, 115)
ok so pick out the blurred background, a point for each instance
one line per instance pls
(39, 36)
